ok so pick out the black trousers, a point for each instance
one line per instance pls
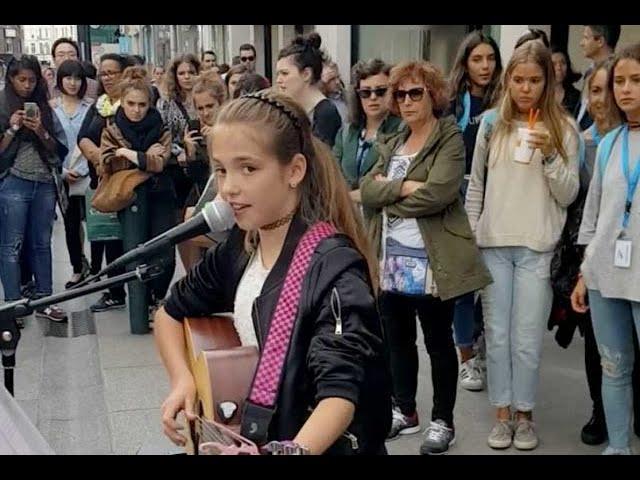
(112, 249)
(398, 314)
(73, 231)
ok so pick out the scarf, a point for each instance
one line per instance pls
(141, 135)
(104, 106)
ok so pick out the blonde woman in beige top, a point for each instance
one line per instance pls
(517, 210)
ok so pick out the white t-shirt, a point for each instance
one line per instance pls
(248, 290)
(403, 230)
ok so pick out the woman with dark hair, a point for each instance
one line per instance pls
(299, 71)
(533, 34)
(369, 117)
(98, 117)
(566, 94)
(423, 240)
(250, 83)
(474, 83)
(71, 109)
(233, 78)
(177, 109)
(27, 189)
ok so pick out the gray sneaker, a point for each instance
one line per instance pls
(501, 435)
(525, 437)
(439, 437)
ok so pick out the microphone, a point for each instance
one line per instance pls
(216, 216)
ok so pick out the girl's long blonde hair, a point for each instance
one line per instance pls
(324, 195)
(551, 113)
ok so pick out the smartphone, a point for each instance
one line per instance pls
(31, 109)
(194, 124)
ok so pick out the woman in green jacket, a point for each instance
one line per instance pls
(422, 236)
(368, 116)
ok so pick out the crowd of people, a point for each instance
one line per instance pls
(490, 204)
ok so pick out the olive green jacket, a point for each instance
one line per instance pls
(437, 206)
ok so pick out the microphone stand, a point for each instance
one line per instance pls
(10, 333)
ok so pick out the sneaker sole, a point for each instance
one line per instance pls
(473, 389)
(451, 444)
(406, 431)
(52, 319)
(525, 445)
(499, 446)
(119, 307)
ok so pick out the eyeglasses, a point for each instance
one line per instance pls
(415, 94)
(247, 59)
(366, 92)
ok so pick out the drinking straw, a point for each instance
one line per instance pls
(533, 118)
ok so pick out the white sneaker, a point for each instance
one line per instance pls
(617, 451)
(471, 377)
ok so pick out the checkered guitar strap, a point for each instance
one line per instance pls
(264, 391)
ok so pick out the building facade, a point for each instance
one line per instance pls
(38, 39)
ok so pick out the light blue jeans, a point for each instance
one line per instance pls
(613, 321)
(516, 309)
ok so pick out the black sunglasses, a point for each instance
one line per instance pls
(415, 94)
(247, 59)
(366, 92)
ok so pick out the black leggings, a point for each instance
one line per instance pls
(113, 249)
(398, 314)
(74, 233)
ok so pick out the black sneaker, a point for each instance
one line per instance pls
(107, 302)
(595, 431)
(53, 313)
(28, 290)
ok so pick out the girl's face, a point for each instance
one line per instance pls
(526, 85)
(481, 64)
(110, 73)
(598, 95)
(24, 83)
(186, 74)
(233, 83)
(71, 85)
(289, 79)
(559, 66)
(135, 104)
(626, 86)
(207, 107)
(48, 75)
(251, 178)
(374, 106)
(414, 102)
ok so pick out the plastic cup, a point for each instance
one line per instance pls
(524, 153)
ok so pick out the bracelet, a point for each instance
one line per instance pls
(285, 447)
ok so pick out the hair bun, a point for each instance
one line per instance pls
(314, 40)
(135, 73)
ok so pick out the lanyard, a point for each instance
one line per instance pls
(466, 111)
(594, 134)
(632, 179)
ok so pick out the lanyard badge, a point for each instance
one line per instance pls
(622, 258)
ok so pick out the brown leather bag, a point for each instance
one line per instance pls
(116, 191)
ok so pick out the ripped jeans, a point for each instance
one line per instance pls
(613, 321)
(26, 206)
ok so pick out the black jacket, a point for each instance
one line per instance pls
(320, 363)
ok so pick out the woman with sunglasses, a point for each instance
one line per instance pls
(424, 243)
(299, 71)
(99, 116)
(524, 175)
(368, 116)
(474, 81)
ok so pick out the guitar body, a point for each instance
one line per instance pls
(223, 371)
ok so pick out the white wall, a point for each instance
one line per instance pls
(509, 35)
(336, 40)
(238, 34)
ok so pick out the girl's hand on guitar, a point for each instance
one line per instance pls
(181, 398)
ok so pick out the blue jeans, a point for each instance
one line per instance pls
(27, 209)
(464, 321)
(613, 321)
(516, 308)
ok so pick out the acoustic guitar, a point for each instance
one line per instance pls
(223, 371)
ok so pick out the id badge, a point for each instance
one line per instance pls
(622, 257)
